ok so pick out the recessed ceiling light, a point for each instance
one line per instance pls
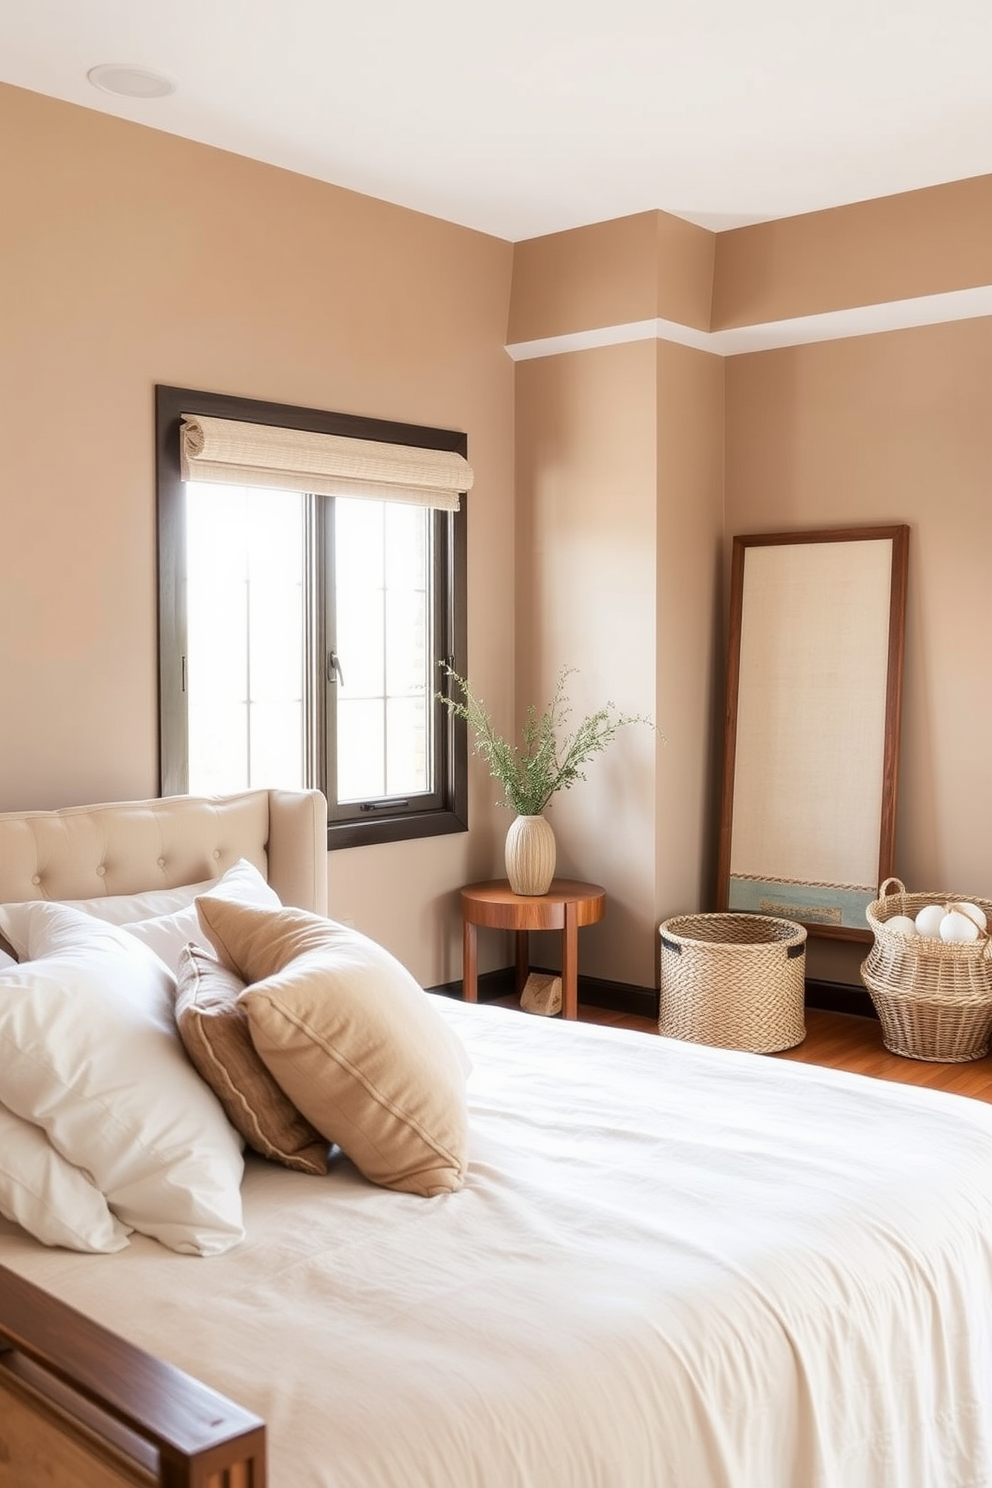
(129, 81)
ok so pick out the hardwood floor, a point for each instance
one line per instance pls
(843, 1041)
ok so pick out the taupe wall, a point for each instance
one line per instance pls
(891, 426)
(587, 521)
(870, 253)
(612, 274)
(689, 639)
(885, 428)
(132, 257)
(620, 521)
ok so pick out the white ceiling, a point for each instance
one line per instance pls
(522, 117)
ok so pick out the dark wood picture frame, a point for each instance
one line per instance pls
(796, 618)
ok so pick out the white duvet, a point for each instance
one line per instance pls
(671, 1267)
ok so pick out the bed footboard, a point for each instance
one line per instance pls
(83, 1408)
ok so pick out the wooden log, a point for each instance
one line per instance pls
(541, 994)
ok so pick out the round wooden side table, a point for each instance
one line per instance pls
(567, 906)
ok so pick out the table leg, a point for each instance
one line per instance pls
(523, 960)
(470, 963)
(570, 963)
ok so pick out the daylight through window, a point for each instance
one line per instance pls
(302, 632)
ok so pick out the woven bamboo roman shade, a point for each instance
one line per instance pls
(228, 452)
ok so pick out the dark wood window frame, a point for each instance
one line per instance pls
(170, 403)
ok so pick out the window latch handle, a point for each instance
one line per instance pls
(334, 672)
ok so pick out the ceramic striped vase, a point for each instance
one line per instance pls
(530, 855)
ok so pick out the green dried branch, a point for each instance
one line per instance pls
(544, 763)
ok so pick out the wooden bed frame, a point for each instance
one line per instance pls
(79, 1406)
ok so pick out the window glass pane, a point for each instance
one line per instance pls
(405, 554)
(218, 647)
(275, 629)
(382, 637)
(360, 642)
(217, 597)
(358, 531)
(361, 738)
(406, 736)
(245, 554)
(273, 535)
(216, 535)
(276, 730)
(218, 748)
(406, 642)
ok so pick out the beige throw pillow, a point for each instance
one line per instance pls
(353, 1041)
(213, 1026)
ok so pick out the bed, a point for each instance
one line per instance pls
(663, 1266)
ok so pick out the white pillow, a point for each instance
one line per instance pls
(47, 1196)
(89, 1051)
(167, 934)
(121, 909)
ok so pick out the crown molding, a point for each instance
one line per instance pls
(833, 325)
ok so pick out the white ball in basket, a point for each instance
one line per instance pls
(929, 918)
(902, 925)
(973, 911)
(958, 928)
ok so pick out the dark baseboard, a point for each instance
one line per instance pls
(624, 997)
(621, 997)
(493, 984)
(839, 997)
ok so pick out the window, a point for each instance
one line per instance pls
(302, 632)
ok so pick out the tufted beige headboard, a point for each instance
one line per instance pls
(126, 847)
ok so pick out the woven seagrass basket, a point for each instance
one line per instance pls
(733, 980)
(933, 998)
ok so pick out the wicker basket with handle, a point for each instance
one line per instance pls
(734, 980)
(933, 997)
